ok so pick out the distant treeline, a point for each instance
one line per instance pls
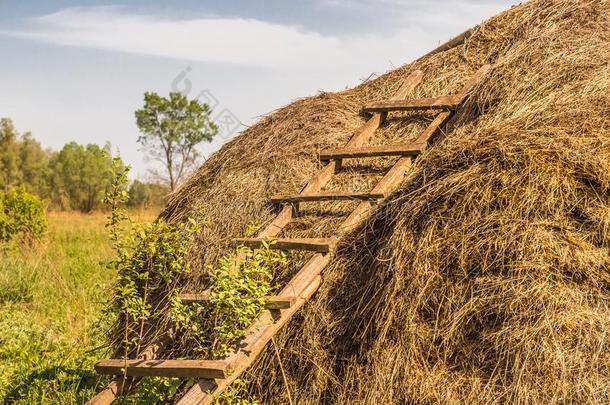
(74, 178)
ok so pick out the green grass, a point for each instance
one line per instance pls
(51, 301)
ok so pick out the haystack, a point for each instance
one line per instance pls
(486, 277)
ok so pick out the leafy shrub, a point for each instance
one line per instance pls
(237, 394)
(152, 269)
(21, 214)
(150, 262)
(240, 283)
(154, 390)
(149, 270)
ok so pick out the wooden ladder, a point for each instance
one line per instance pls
(216, 375)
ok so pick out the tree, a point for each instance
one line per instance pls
(74, 178)
(9, 154)
(171, 129)
(147, 195)
(33, 165)
(23, 162)
(21, 214)
(80, 175)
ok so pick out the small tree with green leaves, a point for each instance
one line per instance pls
(21, 214)
(171, 130)
(23, 162)
(80, 175)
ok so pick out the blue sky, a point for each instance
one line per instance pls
(78, 70)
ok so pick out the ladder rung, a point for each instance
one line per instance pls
(413, 149)
(165, 368)
(321, 245)
(191, 298)
(273, 302)
(280, 302)
(413, 104)
(326, 196)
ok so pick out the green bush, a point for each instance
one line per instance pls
(21, 214)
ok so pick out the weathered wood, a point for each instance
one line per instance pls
(412, 149)
(359, 214)
(320, 179)
(394, 176)
(277, 225)
(165, 368)
(306, 274)
(272, 302)
(324, 175)
(122, 385)
(412, 104)
(192, 298)
(444, 102)
(326, 196)
(431, 129)
(307, 244)
(442, 118)
(469, 85)
(110, 392)
(386, 185)
(409, 85)
(280, 302)
(452, 43)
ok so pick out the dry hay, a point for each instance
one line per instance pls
(485, 278)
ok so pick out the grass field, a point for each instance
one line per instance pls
(51, 305)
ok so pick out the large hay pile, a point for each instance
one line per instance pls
(486, 278)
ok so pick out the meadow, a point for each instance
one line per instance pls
(52, 300)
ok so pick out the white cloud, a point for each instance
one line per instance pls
(431, 15)
(220, 40)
